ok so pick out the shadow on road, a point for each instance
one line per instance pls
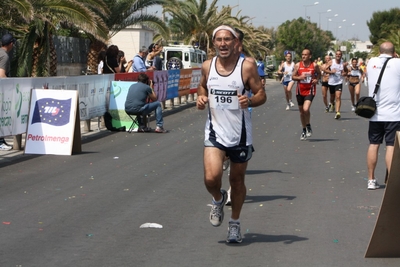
(262, 171)
(322, 140)
(250, 238)
(255, 199)
(286, 239)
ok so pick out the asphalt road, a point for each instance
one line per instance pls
(307, 202)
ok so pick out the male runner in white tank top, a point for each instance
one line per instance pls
(337, 70)
(228, 127)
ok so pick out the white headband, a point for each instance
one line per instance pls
(224, 27)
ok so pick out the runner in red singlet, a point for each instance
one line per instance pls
(307, 75)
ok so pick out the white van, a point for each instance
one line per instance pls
(182, 57)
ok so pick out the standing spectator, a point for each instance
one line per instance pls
(111, 64)
(139, 61)
(386, 120)
(307, 75)
(222, 137)
(101, 58)
(157, 63)
(154, 51)
(122, 61)
(7, 43)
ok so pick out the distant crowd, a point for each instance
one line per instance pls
(113, 60)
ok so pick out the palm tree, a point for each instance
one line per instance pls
(393, 37)
(255, 39)
(37, 55)
(13, 13)
(193, 21)
(122, 15)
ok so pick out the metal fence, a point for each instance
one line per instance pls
(71, 49)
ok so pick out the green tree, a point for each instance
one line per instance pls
(393, 37)
(382, 23)
(122, 14)
(298, 34)
(37, 22)
(255, 39)
(15, 13)
(193, 21)
(359, 54)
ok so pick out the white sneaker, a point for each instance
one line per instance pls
(353, 108)
(303, 136)
(308, 131)
(287, 107)
(373, 184)
(228, 198)
(225, 164)
(217, 210)
(5, 147)
(291, 103)
(234, 235)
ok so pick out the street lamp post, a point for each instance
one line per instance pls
(305, 9)
(330, 19)
(349, 27)
(319, 16)
(338, 27)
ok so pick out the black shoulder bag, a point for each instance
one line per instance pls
(366, 105)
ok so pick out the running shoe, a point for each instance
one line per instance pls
(373, 184)
(337, 116)
(228, 198)
(291, 104)
(234, 235)
(353, 108)
(331, 107)
(217, 210)
(287, 107)
(225, 165)
(327, 109)
(5, 147)
(308, 131)
(303, 136)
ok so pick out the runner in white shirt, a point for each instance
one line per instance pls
(223, 86)
(336, 69)
(286, 70)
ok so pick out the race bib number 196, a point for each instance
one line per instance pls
(223, 99)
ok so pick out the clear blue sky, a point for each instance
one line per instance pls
(273, 13)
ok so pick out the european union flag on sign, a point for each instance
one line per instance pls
(52, 111)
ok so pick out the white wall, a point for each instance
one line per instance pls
(130, 40)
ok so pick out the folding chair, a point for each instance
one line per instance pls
(135, 120)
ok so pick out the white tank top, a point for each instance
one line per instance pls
(336, 78)
(355, 72)
(227, 123)
(289, 69)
